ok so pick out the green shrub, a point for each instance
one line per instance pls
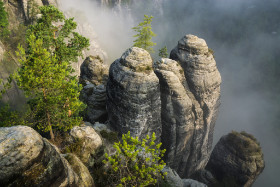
(135, 163)
(3, 21)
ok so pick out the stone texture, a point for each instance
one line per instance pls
(27, 159)
(85, 179)
(178, 112)
(94, 70)
(133, 95)
(238, 158)
(94, 75)
(192, 183)
(190, 98)
(88, 141)
(174, 180)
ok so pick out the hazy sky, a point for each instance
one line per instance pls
(245, 35)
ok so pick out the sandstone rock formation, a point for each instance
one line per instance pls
(85, 179)
(174, 180)
(85, 143)
(237, 158)
(94, 75)
(179, 109)
(27, 159)
(133, 95)
(190, 97)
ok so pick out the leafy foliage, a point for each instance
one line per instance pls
(58, 36)
(46, 73)
(135, 163)
(3, 21)
(163, 52)
(11, 118)
(144, 35)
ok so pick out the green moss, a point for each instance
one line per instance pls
(110, 136)
(75, 147)
(32, 176)
(211, 51)
(244, 143)
(181, 71)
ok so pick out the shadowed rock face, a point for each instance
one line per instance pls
(190, 97)
(94, 75)
(133, 95)
(27, 159)
(237, 158)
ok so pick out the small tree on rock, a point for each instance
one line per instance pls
(163, 52)
(144, 35)
(46, 72)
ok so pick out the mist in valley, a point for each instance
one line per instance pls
(245, 36)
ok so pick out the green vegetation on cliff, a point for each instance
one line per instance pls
(45, 74)
(3, 21)
(135, 163)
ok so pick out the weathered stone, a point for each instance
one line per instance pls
(174, 180)
(192, 183)
(237, 158)
(178, 117)
(190, 105)
(27, 159)
(94, 70)
(85, 179)
(87, 141)
(133, 95)
(94, 75)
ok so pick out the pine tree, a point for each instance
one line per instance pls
(163, 52)
(144, 35)
(46, 73)
(3, 21)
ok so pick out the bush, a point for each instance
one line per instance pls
(135, 163)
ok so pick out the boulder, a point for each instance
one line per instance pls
(94, 75)
(133, 95)
(173, 179)
(192, 183)
(85, 179)
(236, 159)
(85, 143)
(27, 159)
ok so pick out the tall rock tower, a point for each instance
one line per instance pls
(133, 95)
(190, 96)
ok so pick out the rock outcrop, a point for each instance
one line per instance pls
(178, 110)
(236, 159)
(85, 179)
(85, 143)
(174, 180)
(133, 95)
(94, 75)
(190, 97)
(27, 159)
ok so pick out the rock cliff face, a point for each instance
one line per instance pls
(133, 95)
(94, 76)
(190, 93)
(177, 115)
(27, 159)
(237, 158)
